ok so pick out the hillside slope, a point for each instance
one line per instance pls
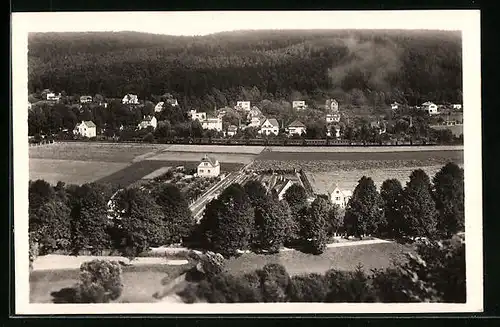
(218, 69)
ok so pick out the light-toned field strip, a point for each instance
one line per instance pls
(197, 156)
(56, 262)
(157, 173)
(244, 149)
(364, 149)
(71, 171)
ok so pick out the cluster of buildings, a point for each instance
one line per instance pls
(430, 107)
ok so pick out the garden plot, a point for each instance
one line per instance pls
(157, 173)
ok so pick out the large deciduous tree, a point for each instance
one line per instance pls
(228, 221)
(364, 213)
(449, 196)
(419, 209)
(391, 192)
(314, 225)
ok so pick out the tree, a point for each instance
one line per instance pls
(275, 283)
(449, 197)
(39, 192)
(419, 209)
(51, 226)
(140, 223)
(296, 199)
(314, 225)
(100, 282)
(176, 214)
(335, 220)
(364, 213)
(228, 221)
(270, 225)
(89, 219)
(391, 192)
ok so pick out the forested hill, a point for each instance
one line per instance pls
(218, 69)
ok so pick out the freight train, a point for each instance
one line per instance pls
(292, 142)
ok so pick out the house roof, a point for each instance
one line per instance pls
(428, 103)
(274, 122)
(160, 104)
(210, 160)
(85, 97)
(296, 123)
(88, 123)
(345, 193)
(147, 118)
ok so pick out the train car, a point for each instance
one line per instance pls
(315, 142)
(256, 141)
(219, 141)
(237, 142)
(276, 142)
(294, 142)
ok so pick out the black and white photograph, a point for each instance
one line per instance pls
(247, 162)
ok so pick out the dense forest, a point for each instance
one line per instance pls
(203, 72)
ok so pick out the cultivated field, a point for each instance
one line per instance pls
(322, 182)
(71, 171)
(88, 151)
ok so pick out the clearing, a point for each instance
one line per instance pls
(247, 149)
(223, 157)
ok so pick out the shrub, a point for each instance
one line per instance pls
(309, 288)
(100, 281)
(275, 283)
(349, 286)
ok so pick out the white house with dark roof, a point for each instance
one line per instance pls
(270, 126)
(86, 128)
(148, 121)
(299, 105)
(395, 106)
(85, 99)
(232, 130)
(197, 115)
(296, 128)
(208, 167)
(212, 124)
(130, 99)
(256, 121)
(332, 104)
(339, 197)
(430, 107)
(254, 112)
(243, 105)
(332, 118)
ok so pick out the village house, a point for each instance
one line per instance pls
(332, 104)
(332, 118)
(130, 99)
(29, 105)
(395, 106)
(296, 128)
(232, 130)
(254, 112)
(85, 99)
(212, 124)
(256, 121)
(282, 186)
(148, 121)
(243, 105)
(339, 197)
(270, 126)
(430, 107)
(208, 167)
(159, 106)
(333, 131)
(299, 105)
(457, 106)
(86, 128)
(53, 97)
(197, 115)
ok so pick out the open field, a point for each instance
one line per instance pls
(139, 170)
(370, 149)
(247, 149)
(89, 151)
(197, 156)
(322, 182)
(140, 282)
(341, 258)
(71, 171)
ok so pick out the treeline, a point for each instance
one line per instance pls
(71, 218)
(246, 218)
(204, 72)
(435, 273)
(75, 218)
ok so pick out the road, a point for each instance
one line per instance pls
(198, 207)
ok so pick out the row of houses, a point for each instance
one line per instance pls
(429, 106)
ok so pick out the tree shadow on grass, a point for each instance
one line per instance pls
(65, 295)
